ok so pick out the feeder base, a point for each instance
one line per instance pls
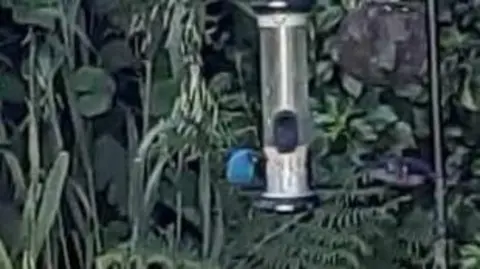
(286, 205)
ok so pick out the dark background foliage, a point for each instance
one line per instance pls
(116, 116)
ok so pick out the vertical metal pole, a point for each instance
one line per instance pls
(440, 244)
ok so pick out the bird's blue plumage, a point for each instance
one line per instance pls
(240, 168)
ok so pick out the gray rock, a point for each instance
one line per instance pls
(383, 44)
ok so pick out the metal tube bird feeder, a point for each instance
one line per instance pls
(287, 123)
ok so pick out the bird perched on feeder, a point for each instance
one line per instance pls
(241, 166)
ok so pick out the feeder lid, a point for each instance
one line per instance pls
(287, 205)
(272, 6)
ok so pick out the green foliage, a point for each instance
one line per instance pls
(94, 90)
(86, 167)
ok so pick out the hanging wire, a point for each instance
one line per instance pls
(440, 245)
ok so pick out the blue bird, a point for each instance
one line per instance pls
(241, 164)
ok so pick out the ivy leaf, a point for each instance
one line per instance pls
(320, 144)
(12, 89)
(322, 119)
(475, 167)
(327, 19)
(410, 91)
(364, 130)
(353, 86)
(381, 116)
(421, 122)
(220, 82)
(470, 96)
(454, 162)
(324, 70)
(469, 100)
(403, 134)
(94, 89)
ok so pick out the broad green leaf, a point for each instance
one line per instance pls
(109, 153)
(94, 89)
(163, 96)
(116, 55)
(50, 200)
(40, 17)
(12, 89)
(93, 105)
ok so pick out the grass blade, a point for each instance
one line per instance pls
(5, 262)
(50, 201)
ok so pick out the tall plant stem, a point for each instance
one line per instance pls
(440, 245)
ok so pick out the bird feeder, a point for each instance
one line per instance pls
(287, 123)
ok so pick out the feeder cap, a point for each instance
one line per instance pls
(272, 6)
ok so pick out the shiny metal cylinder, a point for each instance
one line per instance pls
(284, 85)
